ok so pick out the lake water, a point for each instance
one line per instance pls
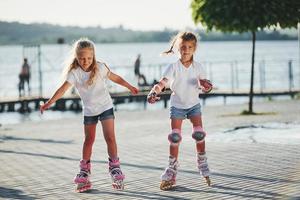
(227, 64)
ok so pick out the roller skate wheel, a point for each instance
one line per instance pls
(118, 185)
(167, 185)
(82, 187)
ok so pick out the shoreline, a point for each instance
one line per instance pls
(214, 117)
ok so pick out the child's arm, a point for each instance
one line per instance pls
(57, 95)
(157, 88)
(119, 80)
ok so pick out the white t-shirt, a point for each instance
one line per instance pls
(95, 98)
(184, 83)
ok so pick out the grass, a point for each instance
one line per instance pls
(247, 113)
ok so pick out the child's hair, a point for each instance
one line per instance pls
(181, 36)
(73, 63)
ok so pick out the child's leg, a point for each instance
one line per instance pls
(115, 172)
(82, 179)
(90, 132)
(199, 136)
(168, 177)
(175, 125)
(109, 135)
(197, 123)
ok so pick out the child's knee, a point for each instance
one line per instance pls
(198, 134)
(89, 140)
(110, 139)
(175, 137)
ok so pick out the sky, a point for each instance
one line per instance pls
(132, 14)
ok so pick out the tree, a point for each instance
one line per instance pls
(246, 16)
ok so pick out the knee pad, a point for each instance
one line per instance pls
(198, 134)
(175, 137)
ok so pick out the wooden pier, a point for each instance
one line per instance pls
(73, 103)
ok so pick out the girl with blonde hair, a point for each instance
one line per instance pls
(89, 78)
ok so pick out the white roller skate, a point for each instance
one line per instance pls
(168, 178)
(82, 179)
(203, 167)
(116, 174)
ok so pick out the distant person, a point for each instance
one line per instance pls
(89, 77)
(185, 77)
(141, 77)
(24, 77)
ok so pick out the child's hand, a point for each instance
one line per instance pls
(134, 90)
(205, 85)
(152, 97)
(44, 107)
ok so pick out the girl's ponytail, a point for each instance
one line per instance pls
(171, 48)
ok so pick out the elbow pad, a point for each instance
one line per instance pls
(160, 85)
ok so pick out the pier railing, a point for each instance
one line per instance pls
(73, 103)
(225, 75)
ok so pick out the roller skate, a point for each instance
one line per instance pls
(168, 178)
(82, 179)
(203, 167)
(116, 174)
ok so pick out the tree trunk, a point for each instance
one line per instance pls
(252, 73)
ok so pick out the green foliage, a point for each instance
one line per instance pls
(247, 112)
(245, 15)
(297, 96)
(270, 98)
(18, 33)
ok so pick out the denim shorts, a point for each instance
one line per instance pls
(179, 113)
(108, 114)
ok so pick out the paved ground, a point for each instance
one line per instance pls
(39, 160)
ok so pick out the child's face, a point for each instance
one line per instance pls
(187, 49)
(85, 58)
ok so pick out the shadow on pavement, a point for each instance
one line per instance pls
(8, 193)
(135, 194)
(7, 138)
(216, 188)
(237, 176)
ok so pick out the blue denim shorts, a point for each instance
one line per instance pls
(108, 114)
(179, 113)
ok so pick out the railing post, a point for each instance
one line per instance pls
(210, 72)
(291, 78)
(165, 103)
(160, 71)
(262, 75)
(232, 77)
(236, 74)
(40, 72)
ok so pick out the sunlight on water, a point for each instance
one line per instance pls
(283, 133)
